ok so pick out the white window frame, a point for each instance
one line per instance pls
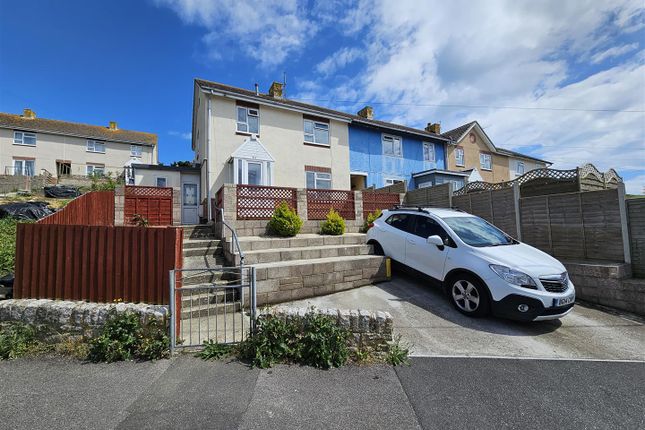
(316, 125)
(459, 160)
(249, 112)
(318, 176)
(485, 156)
(240, 172)
(520, 168)
(394, 139)
(136, 151)
(430, 152)
(23, 169)
(21, 140)
(165, 179)
(92, 146)
(391, 181)
(91, 169)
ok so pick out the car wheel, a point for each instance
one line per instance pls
(378, 249)
(469, 295)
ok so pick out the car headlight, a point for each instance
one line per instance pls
(514, 277)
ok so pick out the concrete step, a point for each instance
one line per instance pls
(199, 232)
(256, 243)
(283, 281)
(197, 252)
(304, 253)
(201, 243)
(204, 297)
(204, 261)
(206, 310)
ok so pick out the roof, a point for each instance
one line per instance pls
(166, 168)
(456, 134)
(440, 212)
(443, 172)
(305, 107)
(18, 122)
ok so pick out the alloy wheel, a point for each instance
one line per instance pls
(465, 296)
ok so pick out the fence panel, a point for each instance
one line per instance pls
(259, 202)
(636, 215)
(319, 202)
(437, 196)
(152, 203)
(602, 225)
(536, 229)
(93, 208)
(374, 201)
(503, 206)
(462, 203)
(96, 263)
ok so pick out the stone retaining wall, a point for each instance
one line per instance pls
(369, 329)
(78, 318)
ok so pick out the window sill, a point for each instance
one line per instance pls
(393, 156)
(486, 170)
(320, 145)
(24, 144)
(94, 152)
(246, 133)
(460, 165)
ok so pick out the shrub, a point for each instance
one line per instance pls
(334, 225)
(285, 222)
(123, 337)
(16, 340)
(7, 245)
(371, 217)
(214, 351)
(315, 340)
(140, 220)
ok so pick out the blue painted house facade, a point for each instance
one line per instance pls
(381, 156)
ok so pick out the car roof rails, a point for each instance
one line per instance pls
(455, 208)
(409, 207)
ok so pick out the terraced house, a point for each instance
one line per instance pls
(32, 146)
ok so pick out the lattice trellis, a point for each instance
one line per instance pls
(548, 174)
(373, 201)
(142, 191)
(320, 201)
(259, 202)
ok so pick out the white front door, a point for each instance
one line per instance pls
(189, 202)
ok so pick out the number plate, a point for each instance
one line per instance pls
(563, 301)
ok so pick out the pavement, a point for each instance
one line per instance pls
(431, 393)
(428, 323)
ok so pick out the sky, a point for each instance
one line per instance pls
(562, 80)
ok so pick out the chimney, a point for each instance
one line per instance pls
(367, 112)
(257, 89)
(433, 127)
(28, 113)
(276, 90)
(113, 125)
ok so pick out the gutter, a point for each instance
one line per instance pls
(208, 159)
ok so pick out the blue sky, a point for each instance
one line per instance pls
(560, 80)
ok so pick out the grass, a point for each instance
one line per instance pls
(7, 245)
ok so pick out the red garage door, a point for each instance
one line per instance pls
(152, 203)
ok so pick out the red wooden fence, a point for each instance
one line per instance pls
(259, 202)
(320, 201)
(374, 201)
(152, 203)
(96, 263)
(93, 208)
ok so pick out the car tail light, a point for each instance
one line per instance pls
(370, 225)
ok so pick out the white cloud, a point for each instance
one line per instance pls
(338, 60)
(181, 135)
(267, 31)
(635, 185)
(614, 51)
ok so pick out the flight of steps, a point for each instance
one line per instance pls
(308, 265)
(203, 250)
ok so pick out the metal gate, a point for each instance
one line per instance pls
(216, 305)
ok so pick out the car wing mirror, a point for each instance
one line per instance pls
(435, 240)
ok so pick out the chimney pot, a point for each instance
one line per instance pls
(113, 125)
(433, 127)
(28, 113)
(367, 112)
(276, 90)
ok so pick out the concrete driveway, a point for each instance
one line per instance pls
(432, 327)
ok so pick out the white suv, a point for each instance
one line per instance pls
(481, 268)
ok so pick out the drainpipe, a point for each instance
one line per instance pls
(208, 160)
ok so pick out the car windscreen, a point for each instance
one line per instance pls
(477, 232)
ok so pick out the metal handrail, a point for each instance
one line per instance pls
(234, 234)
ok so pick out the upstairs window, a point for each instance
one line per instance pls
(392, 146)
(428, 152)
(24, 138)
(135, 150)
(248, 120)
(485, 161)
(392, 181)
(459, 157)
(95, 170)
(519, 168)
(95, 146)
(316, 132)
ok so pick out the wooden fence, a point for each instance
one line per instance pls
(152, 203)
(439, 196)
(497, 207)
(375, 200)
(636, 215)
(96, 263)
(319, 202)
(93, 208)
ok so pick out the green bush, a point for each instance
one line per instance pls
(7, 245)
(214, 351)
(334, 225)
(285, 222)
(16, 340)
(371, 217)
(123, 337)
(315, 340)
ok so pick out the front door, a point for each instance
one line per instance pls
(189, 203)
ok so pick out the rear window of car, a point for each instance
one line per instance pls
(400, 221)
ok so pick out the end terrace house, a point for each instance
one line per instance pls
(32, 146)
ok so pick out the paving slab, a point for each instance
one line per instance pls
(432, 327)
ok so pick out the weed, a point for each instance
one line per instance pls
(8, 227)
(16, 340)
(140, 221)
(334, 225)
(397, 354)
(214, 351)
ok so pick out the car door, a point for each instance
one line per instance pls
(423, 256)
(394, 233)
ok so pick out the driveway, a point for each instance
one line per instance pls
(429, 324)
